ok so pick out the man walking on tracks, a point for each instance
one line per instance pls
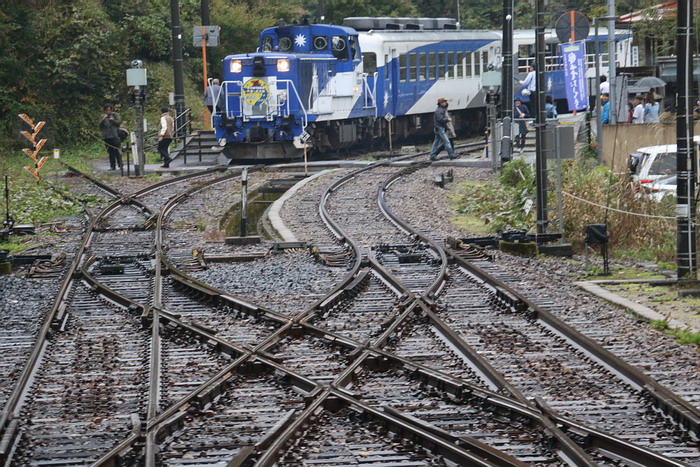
(165, 136)
(109, 125)
(440, 120)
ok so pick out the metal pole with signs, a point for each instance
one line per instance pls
(137, 77)
(206, 36)
(304, 138)
(686, 161)
(389, 117)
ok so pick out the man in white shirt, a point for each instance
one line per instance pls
(529, 83)
(604, 85)
(638, 113)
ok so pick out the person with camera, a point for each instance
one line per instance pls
(109, 125)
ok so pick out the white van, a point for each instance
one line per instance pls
(654, 162)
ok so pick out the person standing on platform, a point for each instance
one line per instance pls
(638, 113)
(651, 109)
(165, 136)
(605, 111)
(210, 97)
(520, 113)
(109, 125)
(440, 121)
(604, 85)
(529, 83)
(550, 108)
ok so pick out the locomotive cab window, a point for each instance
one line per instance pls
(320, 43)
(285, 44)
(402, 67)
(267, 44)
(369, 63)
(339, 47)
(354, 54)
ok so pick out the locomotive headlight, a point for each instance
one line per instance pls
(236, 66)
(282, 65)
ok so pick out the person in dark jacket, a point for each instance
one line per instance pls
(440, 120)
(109, 125)
(520, 113)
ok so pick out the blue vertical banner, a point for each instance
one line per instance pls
(574, 55)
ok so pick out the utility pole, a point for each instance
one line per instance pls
(507, 82)
(686, 256)
(612, 65)
(540, 121)
(178, 69)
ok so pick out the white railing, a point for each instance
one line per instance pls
(276, 108)
(370, 93)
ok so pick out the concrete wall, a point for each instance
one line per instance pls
(621, 140)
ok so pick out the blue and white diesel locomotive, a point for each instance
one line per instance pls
(327, 87)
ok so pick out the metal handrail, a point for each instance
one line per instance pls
(283, 109)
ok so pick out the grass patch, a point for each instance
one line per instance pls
(618, 272)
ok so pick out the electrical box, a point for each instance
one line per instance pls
(136, 77)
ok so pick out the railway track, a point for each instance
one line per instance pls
(409, 352)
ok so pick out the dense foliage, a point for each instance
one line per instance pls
(592, 194)
(62, 60)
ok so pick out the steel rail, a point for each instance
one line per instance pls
(8, 430)
(679, 410)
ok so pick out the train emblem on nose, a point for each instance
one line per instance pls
(255, 91)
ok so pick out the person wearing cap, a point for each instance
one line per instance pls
(638, 113)
(440, 120)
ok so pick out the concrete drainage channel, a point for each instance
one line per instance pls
(243, 226)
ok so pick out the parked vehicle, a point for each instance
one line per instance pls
(661, 188)
(654, 168)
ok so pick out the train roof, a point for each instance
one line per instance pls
(433, 35)
(366, 23)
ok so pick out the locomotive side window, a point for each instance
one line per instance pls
(477, 63)
(354, 55)
(421, 67)
(267, 44)
(369, 63)
(412, 67)
(402, 67)
(485, 60)
(432, 73)
(320, 43)
(285, 44)
(460, 65)
(339, 46)
(467, 64)
(450, 65)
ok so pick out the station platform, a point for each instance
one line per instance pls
(194, 163)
